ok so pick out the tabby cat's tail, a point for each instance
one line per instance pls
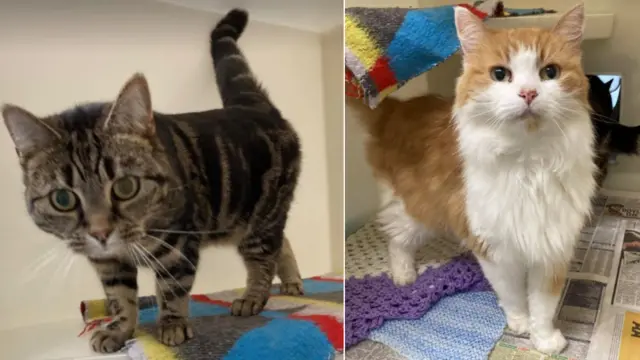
(236, 82)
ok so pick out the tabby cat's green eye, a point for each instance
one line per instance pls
(125, 188)
(63, 200)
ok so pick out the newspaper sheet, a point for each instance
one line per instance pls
(599, 312)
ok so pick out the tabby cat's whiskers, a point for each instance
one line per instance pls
(43, 261)
(172, 248)
(153, 259)
(186, 232)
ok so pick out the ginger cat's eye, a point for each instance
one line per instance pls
(500, 73)
(125, 188)
(550, 72)
(63, 200)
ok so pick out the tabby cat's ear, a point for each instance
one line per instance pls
(571, 25)
(131, 112)
(470, 29)
(27, 131)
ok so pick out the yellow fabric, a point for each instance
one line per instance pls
(95, 309)
(360, 44)
(153, 349)
(387, 91)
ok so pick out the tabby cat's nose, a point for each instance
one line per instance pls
(101, 235)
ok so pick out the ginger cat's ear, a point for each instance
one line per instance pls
(470, 30)
(571, 25)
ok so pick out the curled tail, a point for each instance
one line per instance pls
(236, 83)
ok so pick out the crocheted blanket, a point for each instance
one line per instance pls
(431, 320)
(308, 327)
(387, 47)
(462, 326)
(371, 301)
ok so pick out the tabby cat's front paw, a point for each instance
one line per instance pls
(549, 344)
(291, 288)
(107, 341)
(173, 331)
(248, 306)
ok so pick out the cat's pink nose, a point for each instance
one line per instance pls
(528, 95)
(101, 234)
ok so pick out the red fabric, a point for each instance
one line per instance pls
(351, 86)
(381, 74)
(481, 14)
(329, 325)
(208, 300)
(320, 278)
(88, 327)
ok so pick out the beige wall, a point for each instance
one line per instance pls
(333, 70)
(53, 58)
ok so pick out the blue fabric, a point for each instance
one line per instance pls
(316, 286)
(463, 326)
(283, 339)
(426, 38)
(198, 309)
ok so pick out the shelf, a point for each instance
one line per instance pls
(598, 26)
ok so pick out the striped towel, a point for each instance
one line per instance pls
(463, 326)
(386, 47)
(308, 327)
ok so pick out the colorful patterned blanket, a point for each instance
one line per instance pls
(387, 47)
(308, 327)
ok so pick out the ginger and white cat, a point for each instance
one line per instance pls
(507, 167)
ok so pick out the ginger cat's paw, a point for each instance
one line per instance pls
(404, 276)
(518, 323)
(550, 344)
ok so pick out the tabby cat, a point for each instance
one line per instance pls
(612, 138)
(127, 187)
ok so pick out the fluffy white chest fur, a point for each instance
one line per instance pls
(528, 193)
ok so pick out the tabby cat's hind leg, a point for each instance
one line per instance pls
(287, 270)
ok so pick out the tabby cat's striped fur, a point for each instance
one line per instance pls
(130, 187)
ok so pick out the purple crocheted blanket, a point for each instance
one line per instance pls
(370, 301)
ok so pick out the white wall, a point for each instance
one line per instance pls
(62, 52)
(333, 73)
